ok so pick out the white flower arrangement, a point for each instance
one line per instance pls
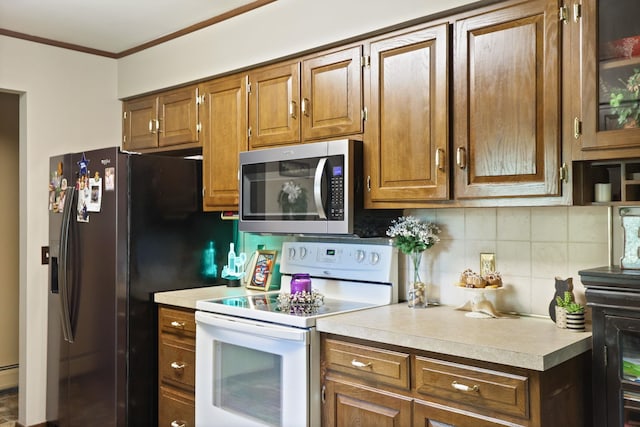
(412, 235)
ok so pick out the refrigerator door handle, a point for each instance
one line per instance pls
(63, 271)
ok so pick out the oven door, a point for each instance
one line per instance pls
(250, 373)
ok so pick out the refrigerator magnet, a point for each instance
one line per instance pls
(95, 194)
(109, 179)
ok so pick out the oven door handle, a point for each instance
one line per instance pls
(255, 328)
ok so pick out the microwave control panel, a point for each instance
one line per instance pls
(336, 194)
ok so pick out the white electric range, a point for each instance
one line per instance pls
(258, 356)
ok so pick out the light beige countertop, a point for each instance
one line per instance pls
(526, 342)
(187, 298)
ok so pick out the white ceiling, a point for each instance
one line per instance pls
(108, 25)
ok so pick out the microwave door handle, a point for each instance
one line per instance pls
(317, 188)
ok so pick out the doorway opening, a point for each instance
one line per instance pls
(9, 257)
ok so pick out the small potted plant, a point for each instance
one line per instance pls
(569, 313)
(625, 101)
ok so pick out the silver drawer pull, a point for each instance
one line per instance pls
(462, 387)
(358, 364)
(178, 423)
(176, 324)
(177, 365)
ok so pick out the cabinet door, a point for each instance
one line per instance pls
(274, 104)
(433, 414)
(332, 94)
(506, 102)
(610, 56)
(224, 120)
(178, 117)
(407, 131)
(175, 408)
(348, 405)
(140, 125)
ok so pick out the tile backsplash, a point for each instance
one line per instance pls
(532, 247)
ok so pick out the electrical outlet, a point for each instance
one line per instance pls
(487, 263)
(44, 255)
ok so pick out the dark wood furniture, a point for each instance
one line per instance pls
(614, 297)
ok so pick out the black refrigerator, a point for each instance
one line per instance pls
(121, 227)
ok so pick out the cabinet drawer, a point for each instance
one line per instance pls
(177, 365)
(176, 409)
(180, 324)
(371, 364)
(481, 388)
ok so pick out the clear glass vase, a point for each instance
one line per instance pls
(416, 289)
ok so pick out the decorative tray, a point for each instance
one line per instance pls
(300, 302)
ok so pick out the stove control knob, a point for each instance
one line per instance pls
(292, 253)
(374, 258)
(360, 255)
(303, 252)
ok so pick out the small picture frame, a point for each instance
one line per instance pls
(261, 270)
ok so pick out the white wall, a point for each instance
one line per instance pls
(68, 103)
(278, 29)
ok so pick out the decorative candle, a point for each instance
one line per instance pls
(301, 282)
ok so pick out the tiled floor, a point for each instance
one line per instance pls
(8, 407)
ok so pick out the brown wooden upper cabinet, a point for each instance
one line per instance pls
(161, 122)
(407, 132)
(610, 49)
(507, 101)
(224, 136)
(317, 98)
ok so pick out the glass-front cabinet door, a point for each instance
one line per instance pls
(622, 339)
(610, 50)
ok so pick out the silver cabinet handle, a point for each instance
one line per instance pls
(158, 126)
(177, 365)
(292, 109)
(304, 107)
(178, 423)
(461, 159)
(439, 157)
(176, 324)
(150, 126)
(465, 388)
(357, 364)
(368, 183)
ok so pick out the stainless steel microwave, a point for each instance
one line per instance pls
(314, 188)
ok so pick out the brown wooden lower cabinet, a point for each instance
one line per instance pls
(357, 405)
(176, 367)
(176, 409)
(366, 383)
(433, 414)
